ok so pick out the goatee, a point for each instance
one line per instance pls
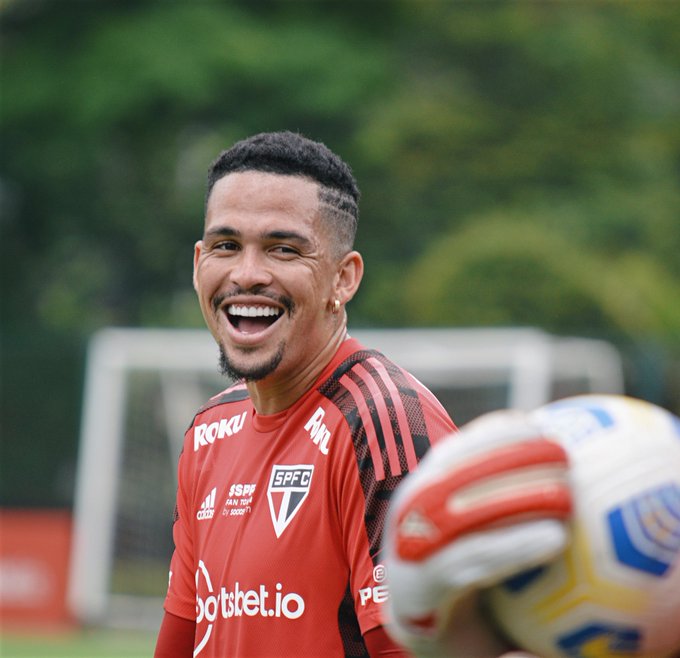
(252, 374)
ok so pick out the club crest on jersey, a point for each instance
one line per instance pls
(287, 490)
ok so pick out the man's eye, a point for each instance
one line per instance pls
(227, 245)
(285, 250)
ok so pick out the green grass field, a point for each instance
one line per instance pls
(77, 644)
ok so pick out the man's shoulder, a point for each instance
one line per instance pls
(367, 379)
(390, 416)
(234, 394)
(222, 415)
(363, 364)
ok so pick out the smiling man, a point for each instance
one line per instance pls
(285, 476)
(267, 273)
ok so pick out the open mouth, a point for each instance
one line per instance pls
(252, 319)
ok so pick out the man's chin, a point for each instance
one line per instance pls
(251, 372)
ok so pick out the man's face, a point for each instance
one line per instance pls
(264, 274)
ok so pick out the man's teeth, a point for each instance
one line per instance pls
(253, 311)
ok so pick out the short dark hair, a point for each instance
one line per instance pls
(292, 154)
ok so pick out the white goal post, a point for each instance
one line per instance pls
(142, 387)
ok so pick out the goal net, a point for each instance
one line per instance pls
(143, 387)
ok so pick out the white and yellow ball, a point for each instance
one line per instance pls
(616, 590)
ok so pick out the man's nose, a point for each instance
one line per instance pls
(251, 270)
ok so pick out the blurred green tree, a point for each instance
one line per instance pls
(111, 114)
(505, 270)
(524, 106)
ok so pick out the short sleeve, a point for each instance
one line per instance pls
(180, 599)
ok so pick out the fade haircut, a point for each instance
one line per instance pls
(291, 154)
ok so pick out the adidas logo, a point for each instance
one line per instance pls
(207, 510)
(416, 525)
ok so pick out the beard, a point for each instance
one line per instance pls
(253, 373)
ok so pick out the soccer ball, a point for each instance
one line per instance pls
(616, 590)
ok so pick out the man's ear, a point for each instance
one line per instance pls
(350, 273)
(198, 248)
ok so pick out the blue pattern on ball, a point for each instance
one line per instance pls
(645, 531)
(621, 639)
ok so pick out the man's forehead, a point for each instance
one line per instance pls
(255, 192)
(243, 183)
(280, 201)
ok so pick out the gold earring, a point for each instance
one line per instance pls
(336, 306)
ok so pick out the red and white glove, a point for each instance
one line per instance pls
(484, 504)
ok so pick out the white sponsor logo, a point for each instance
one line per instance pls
(288, 488)
(207, 510)
(376, 593)
(240, 498)
(206, 434)
(241, 489)
(318, 432)
(236, 602)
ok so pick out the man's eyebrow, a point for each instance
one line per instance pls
(221, 231)
(290, 236)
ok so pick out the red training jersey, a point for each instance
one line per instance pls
(279, 518)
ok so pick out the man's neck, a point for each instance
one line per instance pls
(274, 394)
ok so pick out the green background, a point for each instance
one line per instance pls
(519, 163)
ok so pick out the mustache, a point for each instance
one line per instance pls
(219, 299)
